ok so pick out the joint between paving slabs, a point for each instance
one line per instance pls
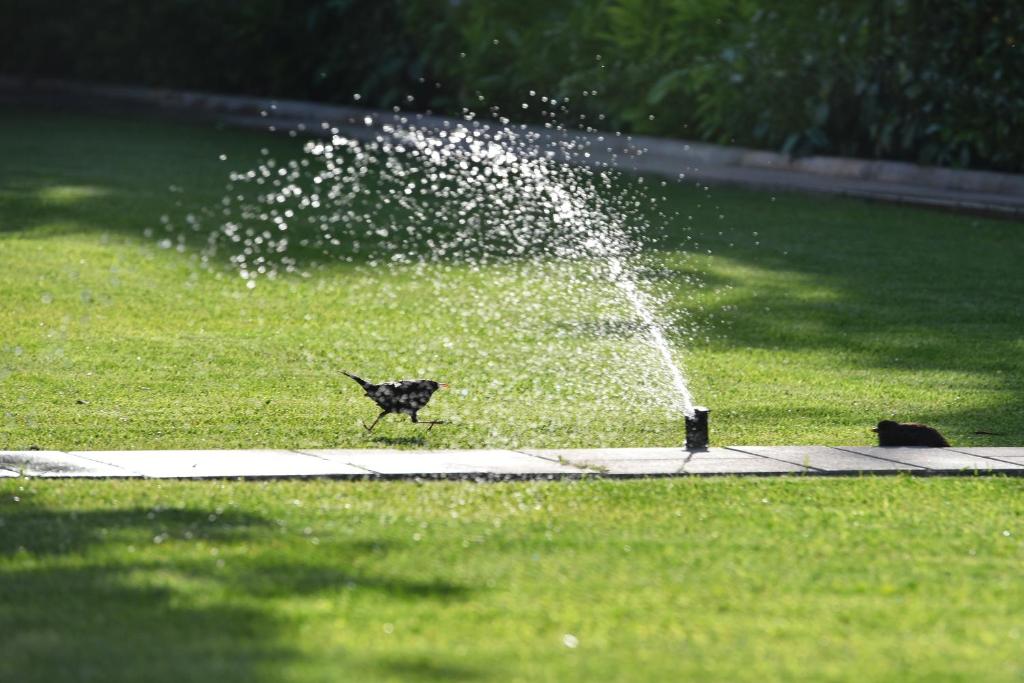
(805, 465)
(987, 457)
(924, 469)
(597, 469)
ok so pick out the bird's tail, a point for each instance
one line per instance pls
(362, 382)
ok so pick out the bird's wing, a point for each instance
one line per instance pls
(413, 392)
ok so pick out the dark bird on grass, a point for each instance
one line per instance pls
(407, 396)
(908, 434)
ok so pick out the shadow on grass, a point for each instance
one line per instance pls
(888, 290)
(896, 292)
(174, 595)
(94, 623)
(72, 173)
(42, 531)
(65, 173)
(422, 669)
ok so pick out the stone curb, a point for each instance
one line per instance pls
(502, 464)
(891, 181)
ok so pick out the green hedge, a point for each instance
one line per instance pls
(314, 49)
(939, 82)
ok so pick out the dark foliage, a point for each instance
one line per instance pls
(933, 82)
(314, 49)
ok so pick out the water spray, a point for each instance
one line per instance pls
(413, 198)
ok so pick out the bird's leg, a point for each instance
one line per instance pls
(370, 428)
(426, 422)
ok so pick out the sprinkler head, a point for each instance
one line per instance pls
(697, 429)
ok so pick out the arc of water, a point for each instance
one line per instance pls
(639, 300)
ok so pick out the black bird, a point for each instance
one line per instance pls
(908, 434)
(407, 396)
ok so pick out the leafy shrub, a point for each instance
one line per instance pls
(920, 80)
(316, 49)
(938, 83)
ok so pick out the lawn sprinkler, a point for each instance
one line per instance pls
(697, 429)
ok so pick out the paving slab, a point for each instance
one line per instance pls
(936, 459)
(740, 465)
(58, 464)
(667, 461)
(624, 462)
(1005, 453)
(827, 459)
(633, 453)
(1013, 460)
(217, 464)
(445, 462)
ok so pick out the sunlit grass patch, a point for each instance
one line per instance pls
(809, 320)
(871, 579)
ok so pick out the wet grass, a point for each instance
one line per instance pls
(824, 313)
(817, 318)
(874, 579)
(835, 314)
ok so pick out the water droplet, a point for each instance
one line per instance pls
(516, 213)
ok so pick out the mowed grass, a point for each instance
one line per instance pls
(875, 579)
(817, 317)
(834, 314)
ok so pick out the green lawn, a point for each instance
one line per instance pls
(875, 579)
(814, 318)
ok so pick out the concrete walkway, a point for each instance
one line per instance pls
(891, 181)
(511, 464)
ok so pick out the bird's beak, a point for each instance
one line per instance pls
(874, 429)
(443, 386)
